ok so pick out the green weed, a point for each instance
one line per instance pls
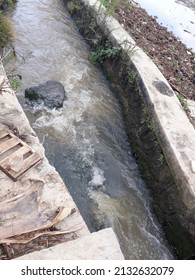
(110, 5)
(147, 121)
(103, 52)
(132, 76)
(183, 102)
(162, 159)
(15, 82)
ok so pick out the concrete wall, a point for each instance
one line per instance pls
(175, 196)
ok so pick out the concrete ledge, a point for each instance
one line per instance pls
(101, 245)
(173, 128)
(42, 178)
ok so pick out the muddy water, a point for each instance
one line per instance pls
(85, 140)
(177, 15)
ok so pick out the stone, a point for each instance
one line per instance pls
(51, 94)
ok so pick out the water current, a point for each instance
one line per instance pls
(85, 140)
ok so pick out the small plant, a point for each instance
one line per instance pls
(15, 82)
(127, 51)
(162, 159)
(181, 98)
(110, 5)
(132, 76)
(147, 121)
(72, 7)
(12, 75)
(107, 51)
(105, 3)
(183, 102)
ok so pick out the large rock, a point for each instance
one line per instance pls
(51, 94)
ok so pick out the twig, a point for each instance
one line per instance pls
(47, 233)
(6, 55)
(7, 250)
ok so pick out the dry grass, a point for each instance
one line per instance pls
(6, 32)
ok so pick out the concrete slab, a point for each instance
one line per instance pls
(53, 194)
(101, 245)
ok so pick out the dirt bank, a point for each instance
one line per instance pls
(173, 58)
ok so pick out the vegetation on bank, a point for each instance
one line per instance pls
(6, 38)
(6, 33)
(110, 5)
(6, 3)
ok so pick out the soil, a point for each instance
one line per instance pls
(173, 58)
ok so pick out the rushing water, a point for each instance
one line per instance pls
(177, 15)
(85, 140)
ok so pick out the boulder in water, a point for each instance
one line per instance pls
(51, 94)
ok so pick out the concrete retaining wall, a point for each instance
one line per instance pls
(172, 127)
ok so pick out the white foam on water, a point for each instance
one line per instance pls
(135, 232)
(64, 120)
(98, 178)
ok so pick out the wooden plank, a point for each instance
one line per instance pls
(4, 164)
(26, 165)
(3, 133)
(10, 143)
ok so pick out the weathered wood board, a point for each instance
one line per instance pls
(18, 157)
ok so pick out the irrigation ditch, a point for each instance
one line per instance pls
(172, 196)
